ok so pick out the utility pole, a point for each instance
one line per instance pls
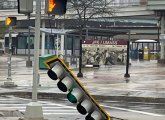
(34, 109)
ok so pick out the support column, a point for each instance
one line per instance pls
(43, 39)
(162, 42)
(62, 44)
(57, 44)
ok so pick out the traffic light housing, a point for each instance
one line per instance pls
(10, 21)
(56, 7)
(25, 6)
(77, 94)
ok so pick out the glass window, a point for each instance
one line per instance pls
(49, 42)
(22, 42)
(69, 42)
(77, 43)
(6, 42)
(31, 42)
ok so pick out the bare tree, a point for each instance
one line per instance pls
(84, 10)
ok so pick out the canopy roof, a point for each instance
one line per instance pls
(90, 31)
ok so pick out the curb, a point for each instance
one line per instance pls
(44, 95)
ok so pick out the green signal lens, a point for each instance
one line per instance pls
(75, 95)
(71, 98)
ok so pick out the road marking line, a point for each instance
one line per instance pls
(48, 103)
(129, 110)
(42, 107)
(56, 111)
(60, 113)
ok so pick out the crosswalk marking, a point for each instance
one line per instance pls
(49, 108)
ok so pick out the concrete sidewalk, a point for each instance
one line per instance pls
(147, 80)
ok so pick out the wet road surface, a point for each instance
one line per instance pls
(61, 109)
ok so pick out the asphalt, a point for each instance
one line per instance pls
(146, 82)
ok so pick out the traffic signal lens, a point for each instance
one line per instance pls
(58, 70)
(71, 98)
(65, 84)
(52, 74)
(94, 116)
(84, 107)
(74, 95)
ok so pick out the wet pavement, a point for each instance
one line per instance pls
(146, 84)
(147, 79)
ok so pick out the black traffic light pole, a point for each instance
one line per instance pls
(80, 59)
(80, 74)
(127, 75)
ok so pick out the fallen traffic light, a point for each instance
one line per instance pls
(10, 21)
(55, 7)
(77, 94)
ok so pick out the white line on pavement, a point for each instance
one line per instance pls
(129, 110)
(60, 113)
